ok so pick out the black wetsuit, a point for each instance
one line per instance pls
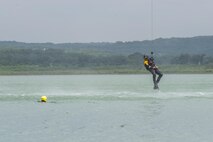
(151, 67)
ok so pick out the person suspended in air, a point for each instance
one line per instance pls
(153, 69)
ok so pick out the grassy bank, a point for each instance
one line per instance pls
(38, 70)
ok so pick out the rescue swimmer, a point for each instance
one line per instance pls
(153, 69)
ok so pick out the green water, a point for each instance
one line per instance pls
(106, 108)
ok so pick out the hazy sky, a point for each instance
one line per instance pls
(103, 20)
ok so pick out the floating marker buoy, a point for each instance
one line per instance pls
(43, 98)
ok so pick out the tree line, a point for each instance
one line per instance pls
(60, 57)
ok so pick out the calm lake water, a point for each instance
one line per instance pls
(106, 108)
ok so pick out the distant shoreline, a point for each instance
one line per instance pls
(166, 69)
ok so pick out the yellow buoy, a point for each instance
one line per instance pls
(43, 98)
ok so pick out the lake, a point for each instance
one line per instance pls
(106, 108)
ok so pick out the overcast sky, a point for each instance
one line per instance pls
(103, 20)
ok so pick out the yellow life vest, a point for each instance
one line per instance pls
(146, 62)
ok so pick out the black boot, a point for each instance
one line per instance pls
(156, 86)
